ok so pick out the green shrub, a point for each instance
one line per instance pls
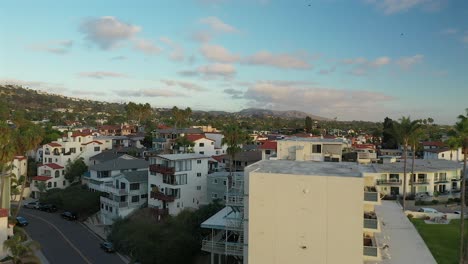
(410, 216)
(435, 201)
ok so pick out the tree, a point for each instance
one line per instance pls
(388, 140)
(460, 132)
(185, 143)
(308, 124)
(20, 249)
(138, 112)
(404, 131)
(181, 117)
(7, 152)
(453, 143)
(233, 138)
(74, 170)
(414, 142)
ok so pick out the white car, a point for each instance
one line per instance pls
(428, 210)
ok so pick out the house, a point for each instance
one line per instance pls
(241, 160)
(268, 149)
(217, 184)
(116, 130)
(443, 153)
(126, 192)
(310, 149)
(202, 144)
(20, 169)
(177, 181)
(106, 169)
(258, 225)
(49, 176)
(164, 139)
(432, 145)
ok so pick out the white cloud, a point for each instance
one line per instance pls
(284, 60)
(347, 104)
(187, 85)
(146, 46)
(148, 93)
(390, 7)
(217, 70)
(361, 66)
(218, 53)
(217, 25)
(406, 63)
(177, 53)
(101, 74)
(327, 71)
(107, 32)
(58, 47)
(202, 36)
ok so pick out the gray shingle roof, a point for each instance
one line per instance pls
(420, 165)
(105, 156)
(120, 163)
(136, 176)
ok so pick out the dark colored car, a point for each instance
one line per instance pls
(108, 247)
(48, 208)
(69, 216)
(31, 205)
(21, 221)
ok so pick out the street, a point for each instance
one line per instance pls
(65, 241)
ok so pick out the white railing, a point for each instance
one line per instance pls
(222, 247)
(236, 224)
(235, 199)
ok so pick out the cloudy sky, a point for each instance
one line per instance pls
(350, 59)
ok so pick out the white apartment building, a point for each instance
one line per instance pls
(220, 148)
(20, 169)
(177, 181)
(49, 176)
(443, 153)
(202, 145)
(310, 149)
(127, 192)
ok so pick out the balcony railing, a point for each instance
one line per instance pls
(112, 189)
(158, 168)
(441, 180)
(371, 196)
(236, 224)
(371, 251)
(227, 248)
(456, 179)
(371, 224)
(389, 182)
(420, 182)
(161, 196)
(236, 199)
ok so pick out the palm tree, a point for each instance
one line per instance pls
(414, 141)
(233, 137)
(403, 131)
(460, 132)
(21, 251)
(453, 143)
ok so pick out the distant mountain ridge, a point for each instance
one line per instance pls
(290, 114)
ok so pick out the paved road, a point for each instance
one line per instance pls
(65, 241)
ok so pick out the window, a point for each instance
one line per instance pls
(144, 196)
(198, 161)
(215, 181)
(64, 183)
(212, 143)
(110, 209)
(102, 206)
(55, 184)
(214, 195)
(202, 152)
(49, 184)
(50, 160)
(316, 148)
(178, 204)
(81, 148)
(201, 144)
(97, 148)
(134, 186)
(135, 199)
(73, 150)
(57, 174)
(224, 197)
(107, 207)
(198, 188)
(198, 174)
(267, 152)
(443, 155)
(224, 182)
(63, 172)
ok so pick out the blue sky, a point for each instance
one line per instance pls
(354, 60)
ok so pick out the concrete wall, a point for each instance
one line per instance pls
(304, 219)
(302, 150)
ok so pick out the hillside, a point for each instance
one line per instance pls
(290, 114)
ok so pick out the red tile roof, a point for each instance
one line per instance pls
(433, 143)
(54, 166)
(269, 145)
(41, 178)
(195, 137)
(109, 127)
(20, 158)
(53, 144)
(3, 212)
(163, 127)
(218, 158)
(364, 146)
(94, 141)
(80, 134)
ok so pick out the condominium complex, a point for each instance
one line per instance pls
(177, 181)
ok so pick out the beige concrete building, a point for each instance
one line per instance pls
(309, 212)
(310, 149)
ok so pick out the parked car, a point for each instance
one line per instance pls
(108, 247)
(38, 205)
(48, 208)
(459, 213)
(69, 215)
(428, 210)
(21, 221)
(31, 205)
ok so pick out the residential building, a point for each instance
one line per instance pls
(105, 169)
(117, 130)
(269, 149)
(443, 153)
(49, 175)
(432, 145)
(310, 149)
(177, 181)
(206, 129)
(164, 139)
(20, 169)
(301, 228)
(6, 230)
(220, 148)
(217, 184)
(441, 176)
(126, 192)
(242, 160)
(202, 144)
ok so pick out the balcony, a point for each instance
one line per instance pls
(223, 247)
(441, 180)
(234, 223)
(371, 221)
(456, 179)
(158, 168)
(161, 196)
(371, 194)
(114, 190)
(393, 182)
(420, 182)
(113, 203)
(235, 199)
(370, 248)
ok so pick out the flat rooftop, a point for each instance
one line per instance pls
(317, 139)
(309, 168)
(183, 156)
(420, 165)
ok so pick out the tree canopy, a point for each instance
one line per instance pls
(75, 169)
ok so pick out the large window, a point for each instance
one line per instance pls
(183, 165)
(135, 199)
(316, 148)
(134, 186)
(97, 148)
(103, 174)
(201, 144)
(57, 174)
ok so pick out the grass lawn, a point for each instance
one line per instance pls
(442, 240)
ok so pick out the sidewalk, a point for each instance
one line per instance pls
(405, 245)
